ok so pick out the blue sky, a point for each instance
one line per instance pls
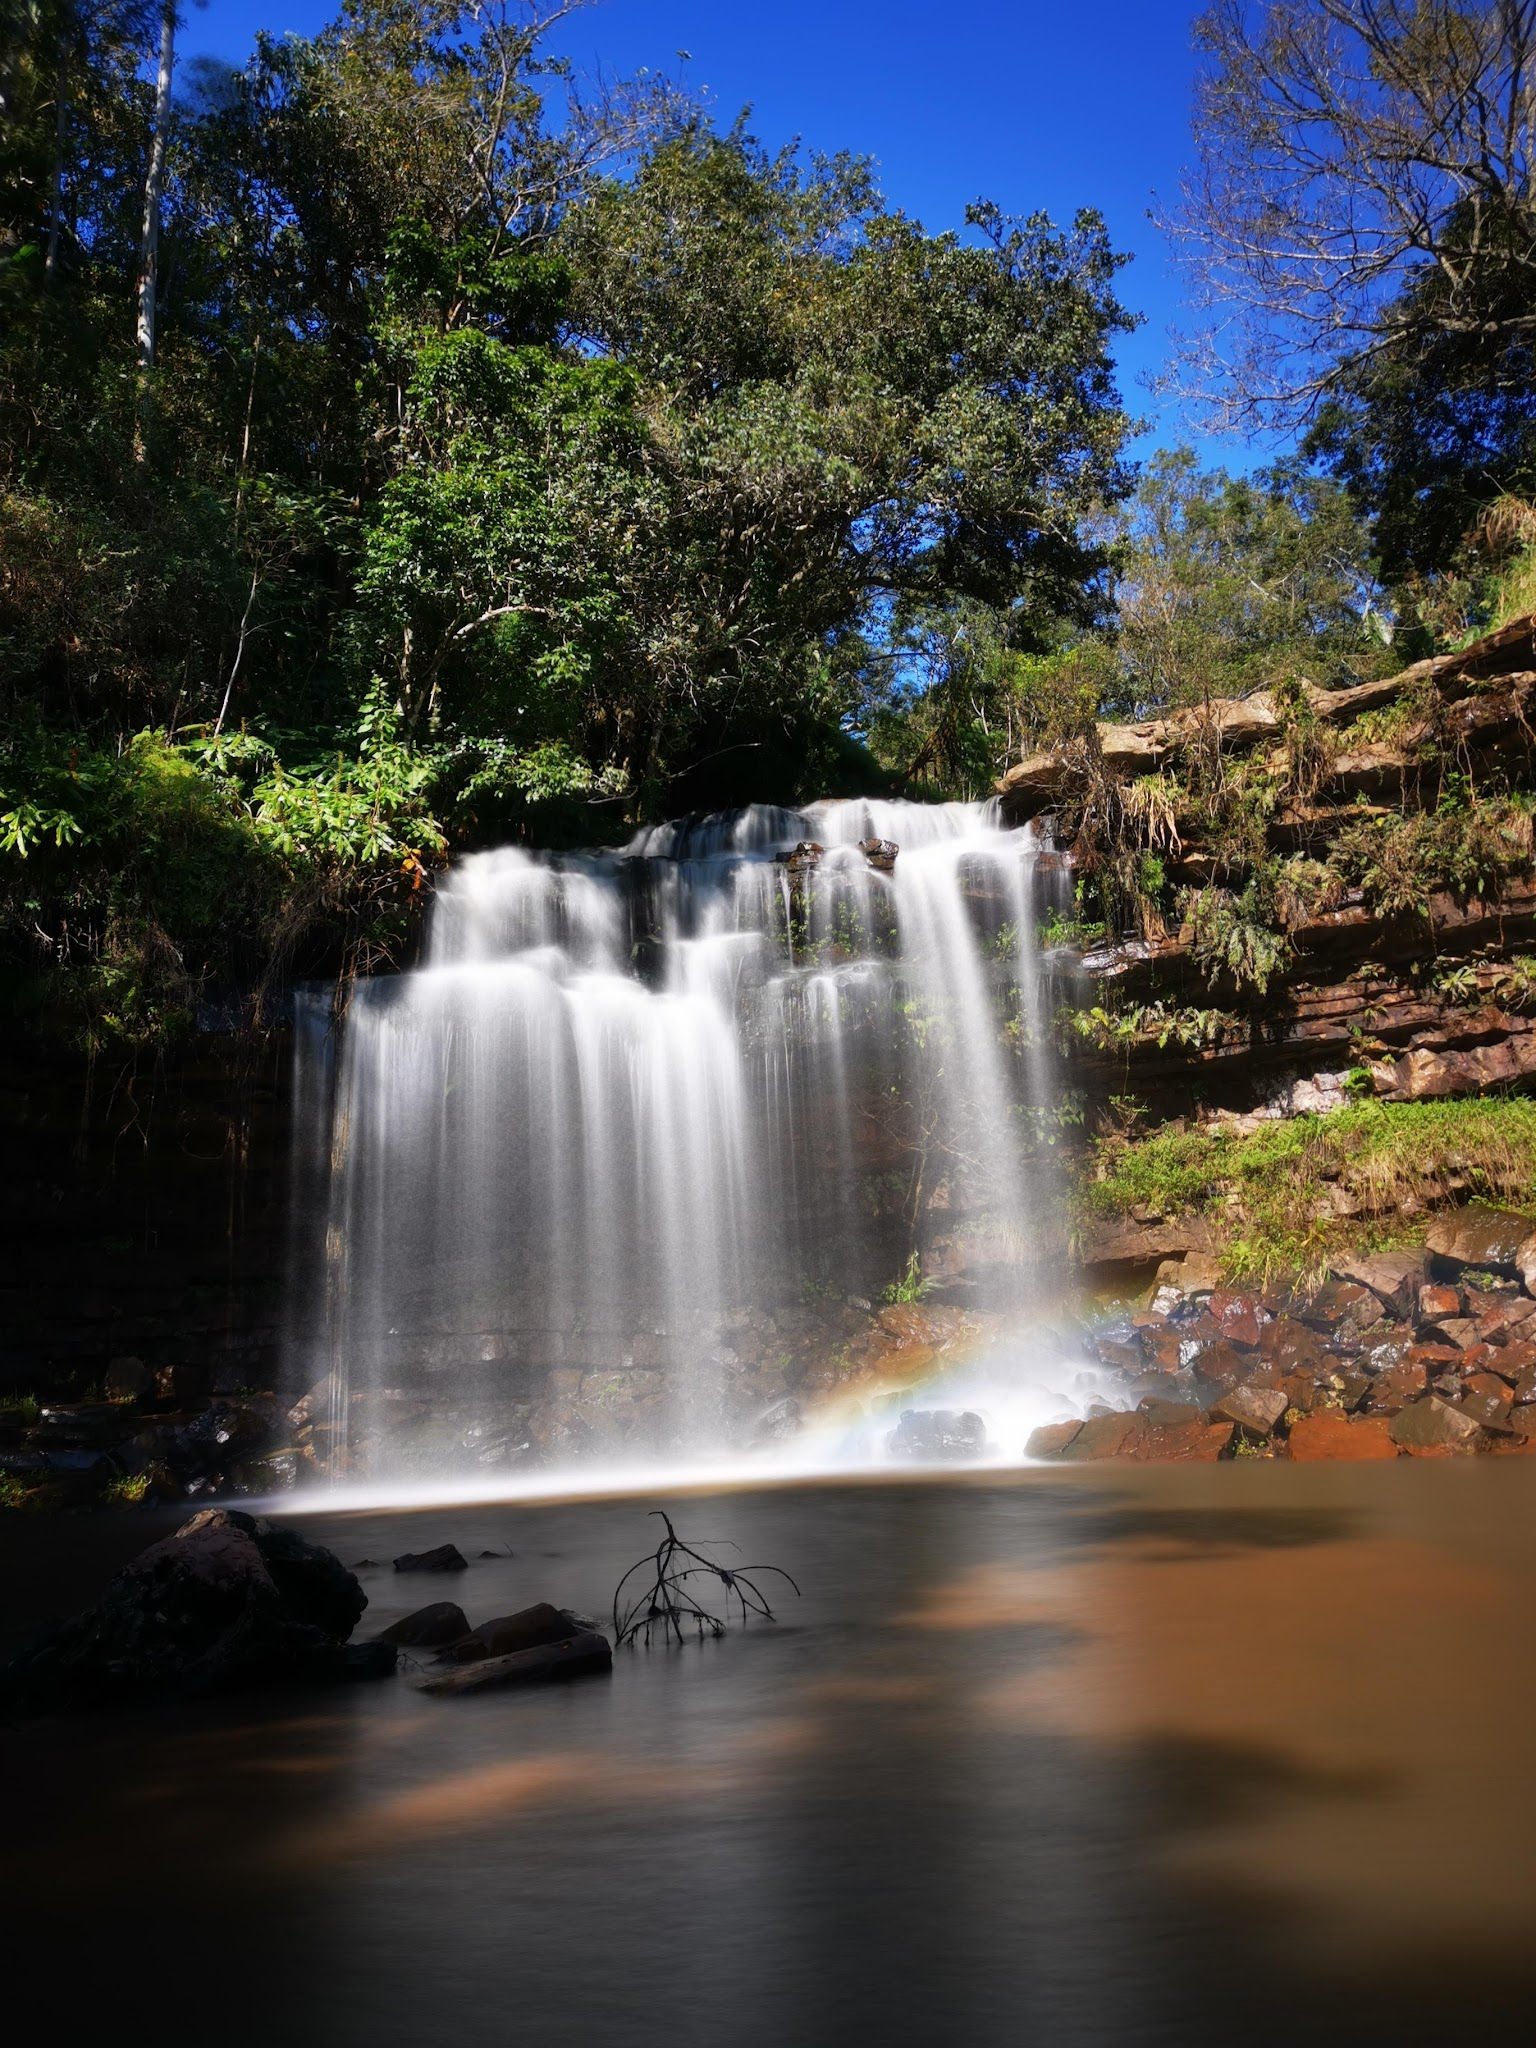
(1031, 104)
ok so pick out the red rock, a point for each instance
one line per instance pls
(1300, 1390)
(1239, 1317)
(1117, 1355)
(1523, 1422)
(1513, 1360)
(1290, 1346)
(1488, 1383)
(1391, 1276)
(1434, 1425)
(1201, 1442)
(1163, 1350)
(1489, 1410)
(1341, 1301)
(1458, 1330)
(1220, 1364)
(1256, 1409)
(1102, 1436)
(1332, 1436)
(1161, 1414)
(1397, 1386)
(1437, 1301)
(1051, 1439)
(1525, 1387)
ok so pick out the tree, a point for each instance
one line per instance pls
(1225, 584)
(847, 415)
(1362, 194)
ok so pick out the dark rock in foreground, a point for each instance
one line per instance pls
(447, 1557)
(226, 1602)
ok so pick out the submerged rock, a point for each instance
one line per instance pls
(429, 1627)
(447, 1557)
(577, 1655)
(525, 1630)
(226, 1602)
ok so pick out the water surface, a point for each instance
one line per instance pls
(1166, 1756)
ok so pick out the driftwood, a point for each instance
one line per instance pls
(668, 1602)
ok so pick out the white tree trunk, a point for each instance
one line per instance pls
(149, 240)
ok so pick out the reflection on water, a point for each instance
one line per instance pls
(1172, 1756)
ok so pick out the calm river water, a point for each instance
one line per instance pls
(1225, 1754)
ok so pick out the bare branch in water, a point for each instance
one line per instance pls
(668, 1602)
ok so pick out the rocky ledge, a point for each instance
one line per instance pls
(1425, 1352)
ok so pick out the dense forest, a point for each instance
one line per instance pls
(405, 445)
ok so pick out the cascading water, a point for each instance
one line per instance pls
(642, 1122)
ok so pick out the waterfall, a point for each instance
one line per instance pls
(641, 1121)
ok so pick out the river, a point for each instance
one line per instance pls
(1174, 1755)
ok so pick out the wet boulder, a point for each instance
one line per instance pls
(1103, 1436)
(583, 1653)
(447, 1557)
(938, 1433)
(880, 853)
(1051, 1439)
(1393, 1277)
(429, 1628)
(1433, 1426)
(224, 1603)
(1258, 1410)
(1480, 1237)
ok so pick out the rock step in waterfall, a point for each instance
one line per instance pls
(644, 1122)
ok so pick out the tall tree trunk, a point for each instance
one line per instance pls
(56, 171)
(149, 240)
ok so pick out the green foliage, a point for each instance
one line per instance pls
(911, 1286)
(1467, 846)
(1160, 1024)
(482, 492)
(1236, 936)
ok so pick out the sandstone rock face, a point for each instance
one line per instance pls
(1133, 1243)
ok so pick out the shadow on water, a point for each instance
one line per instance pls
(1198, 1531)
(1036, 1763)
